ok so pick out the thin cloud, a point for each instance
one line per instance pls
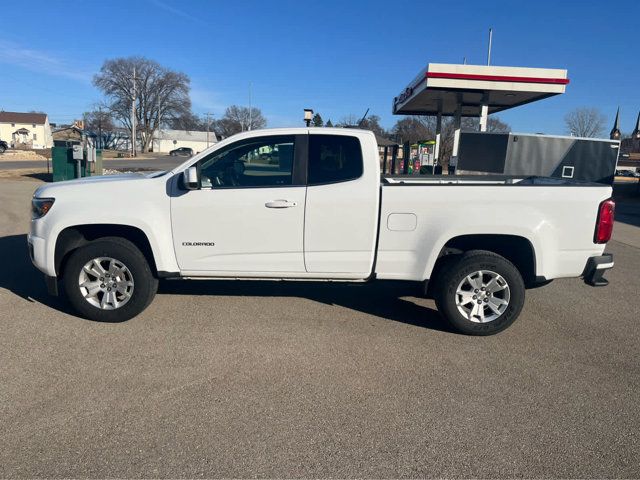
(39, 61)
(204, 99)
(277, 121)
(176, 11)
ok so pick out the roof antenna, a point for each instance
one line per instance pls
(363, 117)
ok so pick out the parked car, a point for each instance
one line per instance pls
(322, 213)
(182, 152)
(627, 173)
(3, 146)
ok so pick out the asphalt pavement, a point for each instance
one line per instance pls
(275, 379)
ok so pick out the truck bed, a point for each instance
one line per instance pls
(555, 216)
(480, 180)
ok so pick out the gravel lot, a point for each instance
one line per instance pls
(269, 379)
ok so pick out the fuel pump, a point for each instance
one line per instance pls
(426, 157)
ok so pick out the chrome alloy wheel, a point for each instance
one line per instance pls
(106, 283)
(482, 296)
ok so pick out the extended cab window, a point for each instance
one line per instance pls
(334, 158)
(257, 162)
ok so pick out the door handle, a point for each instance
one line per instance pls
(280, 204)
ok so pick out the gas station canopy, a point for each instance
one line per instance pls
(445, 88)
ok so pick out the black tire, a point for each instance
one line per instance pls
(2, 149)
(454, 272)
(144, 288)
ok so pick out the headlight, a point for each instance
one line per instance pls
(40, 207)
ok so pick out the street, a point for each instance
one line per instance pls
(162, 162)
(295, 379)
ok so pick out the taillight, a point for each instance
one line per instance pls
(604, 225)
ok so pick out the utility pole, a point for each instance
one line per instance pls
(489, 52)
(250, 109)
(208, 128)
(159, 127)
(133, 116)
(100, 126)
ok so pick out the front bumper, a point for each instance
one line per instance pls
(37, 252)
(594, 271)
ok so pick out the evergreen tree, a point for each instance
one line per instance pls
(328, 124)
(316, 121)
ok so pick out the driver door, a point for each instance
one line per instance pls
(248, 213)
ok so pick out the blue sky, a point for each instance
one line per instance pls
(337, 57)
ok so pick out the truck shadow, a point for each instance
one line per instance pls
(20, 277)
(380, 299)
(628, 212)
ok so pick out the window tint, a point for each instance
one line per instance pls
(258, 162)
(334, 158)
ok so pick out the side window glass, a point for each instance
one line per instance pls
(334, 158)
(258, 162)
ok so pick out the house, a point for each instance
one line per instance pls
(25, 130)
(166, 140)
(71, 135)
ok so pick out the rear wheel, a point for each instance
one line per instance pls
(2, 149)
(109, 280)
(480, 293)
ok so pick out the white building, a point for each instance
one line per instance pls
(166, 140)
(25, 130)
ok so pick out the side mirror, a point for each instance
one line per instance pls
(190, 178)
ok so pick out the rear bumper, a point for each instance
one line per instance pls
(594, 271)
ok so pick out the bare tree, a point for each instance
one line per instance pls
(161, 94)
(100, 122)
(412, 129)
(585, 122)
(350, 120)
(416, 128)
(238, 119)
(494, 124)
(370, 122)
(188, 121)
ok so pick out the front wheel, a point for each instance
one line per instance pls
(480, 293)
(109, 280)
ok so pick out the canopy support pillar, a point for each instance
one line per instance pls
(436, 153)
(484, 114)
(457, 123)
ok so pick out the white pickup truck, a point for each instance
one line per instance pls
(309, 203)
